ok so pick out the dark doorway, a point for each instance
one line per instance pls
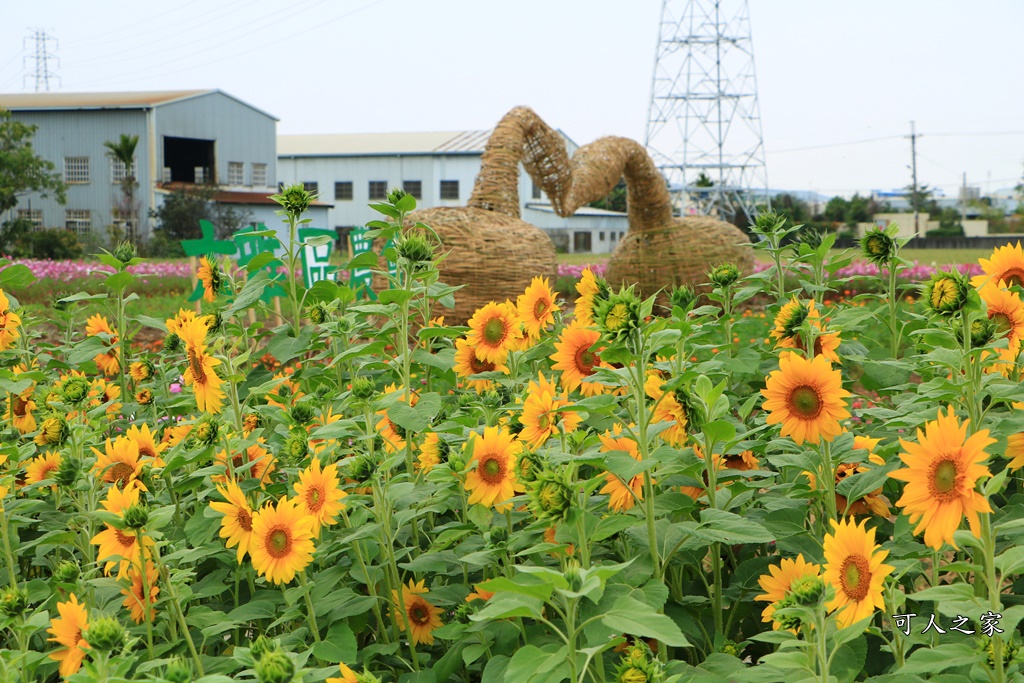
(189, 160)
(581, 242)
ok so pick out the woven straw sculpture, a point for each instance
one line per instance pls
(491, 251)
(659, 250)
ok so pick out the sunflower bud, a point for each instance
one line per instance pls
(550, 496)
(61, 303)
(205, 431)
(53, 431)
(178, 671)
(573, 574)
(172, 342)
(725, 275)
(13, 601)
(302, 413)
(362, 469)
(126, 251)
(983, 331)
(637, 666)
(1010, 649)
(261, 646)
(363, 388)
(807, 590)
(66, 572)
(67, 472)
(415, 248)
(105, 634)
(251, 422)
(786, 620)
(143, 397)
(214, 323)
(731, 648)
(768, 223)
(296, 448)
(74, 390)
(684, 297)
(877, 247)
(395, 195)
(462, 613)
(619, 315)
(136, 516)
(318, 313)
(946, 293)
(294, 200)
(140, 371)
(275, 667)
(527, 465)
(497, 536)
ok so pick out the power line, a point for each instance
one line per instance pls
(102, 37)
(41, 73)
(835, 144)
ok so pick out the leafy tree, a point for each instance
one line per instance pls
(124, 151)
(616, 199)
(178, 218)
(836, 210)
(21, 170)
(858, 210)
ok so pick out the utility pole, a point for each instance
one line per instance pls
(913, 170)
(963, 200)
(41, 73)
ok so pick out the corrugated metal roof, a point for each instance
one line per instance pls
(94, 100)
(368, 144)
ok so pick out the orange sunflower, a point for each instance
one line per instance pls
(135, 600)
(853, 566)
(787, 330)
(468, 363)
(102, 392)
(42, 467)
(668, 409)
(807, 397)
(621, 495)
(492, 331)
(285, 393)
(541, 418)
(1006, 311)
(201, 373)
(537, 307)
(587, 288)
(1006, 264)
(236, 526)
(121, 548)
(19, 411)
(576, 356)
(347, 676)
(1015, 451)
(493, 482)
(431, 451)
(9, 323)
(777, 583)
(422, 616)
(119, 463)
(210, 275)
(942, 470)
(282, 541)
(68, 630)
(319, 493)
(261, 467)
(108, 362)
(146, 442)
(873, 502)
(392, 434)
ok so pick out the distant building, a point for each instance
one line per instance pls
(186, 137)
(438, 169)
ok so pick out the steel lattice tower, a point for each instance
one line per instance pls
(703, 116)
(41, 60)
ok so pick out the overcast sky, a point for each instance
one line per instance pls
(829, 73)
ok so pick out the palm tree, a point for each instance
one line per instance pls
(124, 151)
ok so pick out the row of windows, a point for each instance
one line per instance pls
(378, 189)
(78, 220)
(76, 172)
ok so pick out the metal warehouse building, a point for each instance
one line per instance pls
(439, 169)
(185, 137)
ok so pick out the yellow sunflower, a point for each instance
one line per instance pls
(1015, 451)
(236, 526)
(430, 452)
(942, 470)
(135, 601)
(109, 362)
(9, 323)
(853, 566)
(68, 630)
(393, 435)
(493, 330)
(777, 582)
(873, 502)
(742, 462)
(143, 397)
(1006, 310)
(121, 548)
(621, 495)
(587, 288)
(319, 493)
(261, 468)
(286, 390)
(540, 417)
(493, 482)
(201, 373)
(42, 467)
(468, 363)
(182, 318)
(807, 397)
(667, 409)
(787, 330)
(537, 307)
(282, 541)
(576, 356)
(423, 617)
(119, 463)
(140, 371)
(210, 275)
(1006, 264)
(19, 411)
(146, 442)
(102, 392)
(347, 676)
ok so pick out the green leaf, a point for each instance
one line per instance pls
(394, 296)
(1011, 561)
(251, 292)
(416, 418)
(262, 260)
(338, 646)
(510, 605)
(119, 281)
(726, 527)
(368, 259)
(503, 585)
(16, 276)
(639, 619)
(933, 660)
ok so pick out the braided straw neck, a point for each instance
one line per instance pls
(521, 137)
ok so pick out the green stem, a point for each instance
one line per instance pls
(894, 335)
(176, 608)
(988, 539)
(370, 587)
(11, 576)
(310, 613)
(643, 447)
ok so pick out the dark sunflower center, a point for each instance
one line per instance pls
(945, 479)
(586, 360)
(147, 450)
(419, 614)
(1002, 322)
(196, 365)
(20, 407)
(805, 402)
(314, 499)
(124, 540)
(491, 470)
(494, 332)
(244, 519)
(478, 366)
(855, 577)
(278, 543)
(121, 473)
(540, 308)
(1013, 277)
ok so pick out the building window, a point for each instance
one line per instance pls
(449, 189)
(117, 170)
(343, 190)
(536, 191)
(413, 187)
(33, 216)
(311, 186)
(78, 221)
(259, 175)
(600, 235)
(236, 173)
(581, 242)
(76, 170)
(280, 187)
(124, 221)
(378, 189)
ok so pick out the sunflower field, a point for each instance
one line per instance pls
(604, 488)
